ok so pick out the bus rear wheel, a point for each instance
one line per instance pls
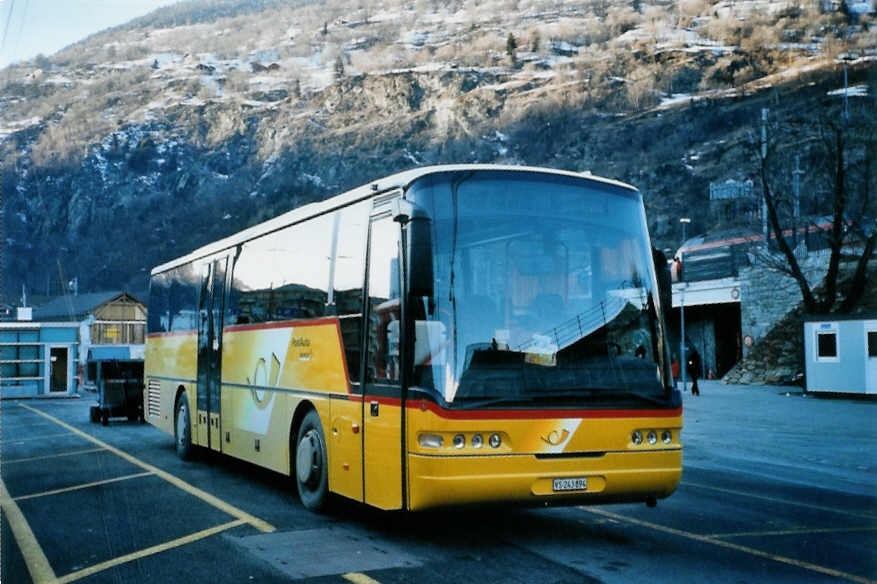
(311, 474)
(183, 430)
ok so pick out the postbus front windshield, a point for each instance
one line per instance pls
(544, 292)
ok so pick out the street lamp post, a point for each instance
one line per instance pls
(683, 358)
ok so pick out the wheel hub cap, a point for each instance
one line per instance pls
(308, 458)
(181, 426)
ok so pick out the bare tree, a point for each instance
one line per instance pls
(839, 150)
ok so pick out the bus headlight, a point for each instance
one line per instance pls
(666, 436)
(652, 437)
(495, 440)
(637, 437)
(477, 441)
(430, 440)
(459, 441)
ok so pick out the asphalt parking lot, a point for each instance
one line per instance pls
(776, 488)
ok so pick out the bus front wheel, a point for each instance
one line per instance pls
(183, 430)
(311, 473)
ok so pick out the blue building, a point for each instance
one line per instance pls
(38, 358)
(45, 351)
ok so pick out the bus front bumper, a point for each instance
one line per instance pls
(614, 477)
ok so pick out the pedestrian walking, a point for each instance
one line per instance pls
(694, 371)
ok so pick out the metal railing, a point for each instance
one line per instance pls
(581, 325)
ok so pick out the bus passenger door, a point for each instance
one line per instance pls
(210, 315)
(382, 395)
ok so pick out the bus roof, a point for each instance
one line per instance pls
(374, 188)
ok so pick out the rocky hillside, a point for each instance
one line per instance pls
(145, 141)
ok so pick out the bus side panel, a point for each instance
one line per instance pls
(383, 473)
(268, 447)
(267, 370)
(344, 441)
(171, 362)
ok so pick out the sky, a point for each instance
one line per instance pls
(31, 27)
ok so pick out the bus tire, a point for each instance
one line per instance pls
(311, 463)
(183, 430)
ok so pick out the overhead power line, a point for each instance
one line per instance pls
(6, 28)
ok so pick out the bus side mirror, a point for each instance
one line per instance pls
(662, 272)
(418, 252)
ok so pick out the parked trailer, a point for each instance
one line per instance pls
(119, 390)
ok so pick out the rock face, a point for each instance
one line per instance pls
(769, 295)
(135, 147)
(778, 357)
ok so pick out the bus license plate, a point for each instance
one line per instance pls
(580, 484)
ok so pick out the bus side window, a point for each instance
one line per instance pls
(158, 316)
(347, 285)
(183, 298)
(283, 275)
(383, 364)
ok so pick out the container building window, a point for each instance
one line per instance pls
(826, 344)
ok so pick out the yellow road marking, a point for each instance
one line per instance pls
(801, 531)
(34, 557)
(72, 453)
(83, 486)
(259, 524)
(79, 574)
(777, 500)
(29, 438)
(731, 546)
(359, 578)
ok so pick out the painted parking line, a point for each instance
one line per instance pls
(778, 500)
(83, 486)
(34, 558)
(259, 524)
(731, 546)
(801, 531)
(71, 453)
(29, 438)
(79, 574)
(359, 578)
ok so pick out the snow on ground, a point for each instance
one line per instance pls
(854, 91)
(676, 99)
(19, 125)
(59, 80)
(313, 179)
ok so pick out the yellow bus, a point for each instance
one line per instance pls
(447, 335)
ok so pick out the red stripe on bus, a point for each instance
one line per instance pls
(255, 327)
(517, 414)
(171, 334)
(281, 324)
(544, 414)
(387, 401)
